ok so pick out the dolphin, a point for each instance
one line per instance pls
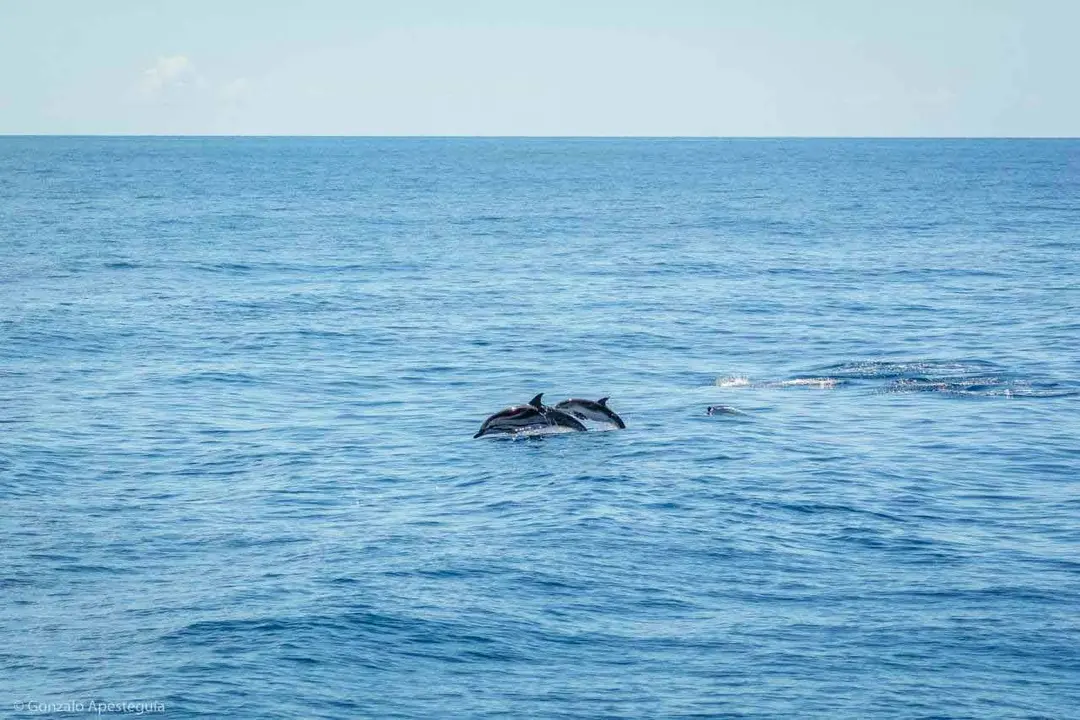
(722, 410)
(589, 410)
(534, 416)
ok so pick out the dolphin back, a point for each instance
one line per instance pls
(534, 416)
(512, 419)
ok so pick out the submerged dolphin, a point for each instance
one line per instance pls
(723, 410)
(589, 410)
(533, 416)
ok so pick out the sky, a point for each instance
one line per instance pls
(918, 68)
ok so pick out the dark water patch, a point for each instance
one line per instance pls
(81, 569)
(257, 542)
(215, 377)
(237, 221)
(228, 268)
(169, 222)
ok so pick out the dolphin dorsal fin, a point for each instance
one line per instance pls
(603, 401)
(535, 402)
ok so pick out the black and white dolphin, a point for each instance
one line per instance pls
(534, 416)
(588, 410)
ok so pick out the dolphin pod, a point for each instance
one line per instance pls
(538, 417)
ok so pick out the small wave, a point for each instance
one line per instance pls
(215, 376)
(733, 381)
(225, 267)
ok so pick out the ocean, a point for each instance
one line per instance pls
(239, 380)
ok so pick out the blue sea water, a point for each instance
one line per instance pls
(239, 380)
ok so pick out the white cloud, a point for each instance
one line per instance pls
(176, 71)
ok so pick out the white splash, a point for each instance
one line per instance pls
(820, 383)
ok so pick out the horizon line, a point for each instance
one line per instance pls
(533, 137)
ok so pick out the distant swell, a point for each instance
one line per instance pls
(881, 370)
(962, 378)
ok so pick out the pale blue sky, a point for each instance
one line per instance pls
(473, 67)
